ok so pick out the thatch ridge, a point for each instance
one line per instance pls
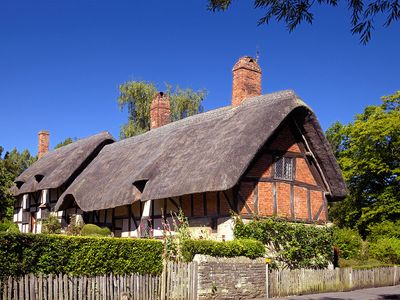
(205, 152)
(58, 167)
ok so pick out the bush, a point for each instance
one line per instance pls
(51, 225)
(348, 241)
(292, 245)
(386, 250)
(41, 253)
(94, 230)
(8, 226)
(243, 247)
(362, 264)
(385, 229)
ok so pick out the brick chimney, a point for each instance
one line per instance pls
(246, 80)
(160, 111)
(43, 143)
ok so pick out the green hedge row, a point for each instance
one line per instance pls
(240, 247)
(27, 253)
(293, 245)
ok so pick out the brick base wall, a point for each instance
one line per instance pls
(230, 278)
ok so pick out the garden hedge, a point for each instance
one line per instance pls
(241, 247)
(292, 245)
(27, 253)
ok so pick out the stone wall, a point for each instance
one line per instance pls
(230, 278)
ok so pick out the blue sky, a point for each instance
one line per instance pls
(61, 61)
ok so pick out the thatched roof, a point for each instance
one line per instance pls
(205, 152)
(59, 167)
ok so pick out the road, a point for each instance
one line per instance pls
(389, 292)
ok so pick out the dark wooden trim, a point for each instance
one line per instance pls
(319, 211)
(290, 154)
(309, 211)
(129, 219)
(228, 200)
(255, 198)
(240, 197)
(180, 202)
(218, 203)
(296, 182)
(174, 203)
(133, 216)
(205, 204)
(191, 205)
(292, 212)
(113, 218)
(275, 199)
(165, 208)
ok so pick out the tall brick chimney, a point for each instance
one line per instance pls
(246, 80)
(43, 143)
(160, 111)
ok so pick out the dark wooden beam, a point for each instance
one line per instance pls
(240, 197)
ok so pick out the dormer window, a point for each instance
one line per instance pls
(284, 168)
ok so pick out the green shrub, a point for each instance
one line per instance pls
(386, 250)
(292, 245)
(386, 229)
(43, 253)
(362, 264)
(348, 241)
(8, 226)
(94, 230)
(243, 247)
(51, 225)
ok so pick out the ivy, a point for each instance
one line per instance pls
(291, 245)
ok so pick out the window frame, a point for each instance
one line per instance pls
(284, 161)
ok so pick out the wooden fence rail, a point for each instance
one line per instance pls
(179, 282)
(294, 282)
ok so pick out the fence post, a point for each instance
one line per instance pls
(266, 281)
(394, 275)
(163, 280)
(350, 278)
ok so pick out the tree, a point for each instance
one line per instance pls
(294, 12)
(67, 141)
(368, 152)
(11, 165)
(136, 96)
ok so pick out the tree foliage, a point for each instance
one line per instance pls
(136, 96)
(67, 141)
(368, 152)
(12, 164)
(295, 12)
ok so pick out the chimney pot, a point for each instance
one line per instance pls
(246, 80)
(43, 143)
(160, 111)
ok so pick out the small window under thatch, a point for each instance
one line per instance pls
(284, 168)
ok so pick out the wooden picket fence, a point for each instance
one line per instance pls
(296, 282)
(178, 282)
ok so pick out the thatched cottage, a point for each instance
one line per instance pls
(263, 155)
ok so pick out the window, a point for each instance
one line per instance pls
(284, 168)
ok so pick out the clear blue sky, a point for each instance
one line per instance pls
(61, 61)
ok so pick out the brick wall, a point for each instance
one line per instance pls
(230, 278)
